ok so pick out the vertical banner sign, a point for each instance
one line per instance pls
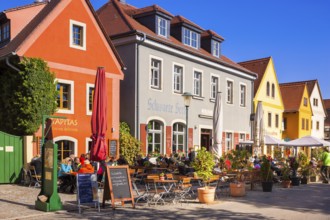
(118, 185)
(87, 190)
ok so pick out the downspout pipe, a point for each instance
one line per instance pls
(8, 62)
(137, 82)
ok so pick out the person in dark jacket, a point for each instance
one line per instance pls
(37, 163)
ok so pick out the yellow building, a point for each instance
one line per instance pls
(297, 115)
(267, 90)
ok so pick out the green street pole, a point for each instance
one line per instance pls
(48, 198)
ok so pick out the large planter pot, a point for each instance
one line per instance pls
(295, 181)
(304, 180)
(237, 189)
(313, 179)
(267, 186)
(286, 183)
(206, 194)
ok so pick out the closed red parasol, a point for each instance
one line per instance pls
(99, 117)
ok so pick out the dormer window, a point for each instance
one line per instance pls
(215, 48)
(4, 31)
(190, 38)
(162, 27)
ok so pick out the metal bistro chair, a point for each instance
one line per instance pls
(154, 194)
(35, 178)
(183, 191)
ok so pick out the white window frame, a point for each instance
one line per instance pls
(83, 25)
(68, 138)
(189, 37)
(87, 140)
(154, 132)
(174, 78)
(214, 86)
(200, 83)
(71, 83)
(228, 148)
(177, 134)
(240, 95)
(160, 80)
(88, 86)
(160, 27)
(215, 48)
(239, 137)
(230, 102)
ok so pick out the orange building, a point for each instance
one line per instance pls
(68, 36)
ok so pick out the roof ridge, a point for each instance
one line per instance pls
(254, 60)
(299, 82)
(25, 6)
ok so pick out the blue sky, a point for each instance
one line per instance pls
(296, 33)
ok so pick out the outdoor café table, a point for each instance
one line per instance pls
(70, 182)
(160, 189)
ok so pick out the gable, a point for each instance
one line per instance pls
(318, 108)
(51, 40)
(270, 77)
(308, 107)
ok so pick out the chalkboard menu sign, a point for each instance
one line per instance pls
(113, 148)
(87, 189)
(118, 185)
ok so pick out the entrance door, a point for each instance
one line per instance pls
(206, 140)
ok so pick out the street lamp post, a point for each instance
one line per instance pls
(186, 97)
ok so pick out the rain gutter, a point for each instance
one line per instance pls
(8, 62)
(137, 82)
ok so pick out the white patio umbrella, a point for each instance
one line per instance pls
(259, 129)
(270, 140)
(217, 126)
(308, 141)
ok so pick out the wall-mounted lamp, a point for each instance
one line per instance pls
(112, 130)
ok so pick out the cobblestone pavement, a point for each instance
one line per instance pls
(310, 201)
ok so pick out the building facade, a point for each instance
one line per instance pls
(68, 36)
(166, 56)
(267, 90)
(318, 108)
(297, 110)
(327, 120)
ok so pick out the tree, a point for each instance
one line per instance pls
(130, 147)
(26, 96)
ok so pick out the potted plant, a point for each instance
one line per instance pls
(295, 179)
(239, 160)
(266, 174)
(285, 171)
(203, 165)
(305, 172)
(162, 176)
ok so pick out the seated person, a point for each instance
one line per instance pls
(37, 163)
(66, 179)
(86, 167)
(76, 164)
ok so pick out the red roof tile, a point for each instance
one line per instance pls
(117, 20)
(210, 33)
(180, 19)
(292, 94)
(326, 103)
(152, 8)
(259, 67)
(19, 39)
